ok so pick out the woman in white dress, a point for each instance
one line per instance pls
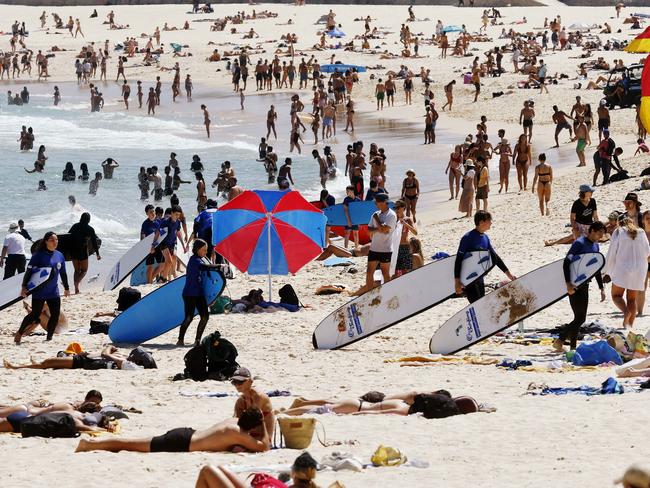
(627, 266)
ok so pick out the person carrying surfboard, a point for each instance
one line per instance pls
(474, 240)
(579, 296)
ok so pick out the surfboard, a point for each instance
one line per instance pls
(339, 230)
(397, 300)
(139, 273)
(161, 310)
(130, 260)
(512, 303)
(65, 244)
(11, 287)
(360, 213)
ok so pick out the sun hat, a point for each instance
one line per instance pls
(13, 226)
(410, 171)
(633, 197)
(587, 188)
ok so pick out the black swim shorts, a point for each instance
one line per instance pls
(382, 257)
(175, 440)
(82, 361)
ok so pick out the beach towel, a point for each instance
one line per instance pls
(609, 386)
(336, 261)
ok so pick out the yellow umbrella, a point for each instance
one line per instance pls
(641, 44)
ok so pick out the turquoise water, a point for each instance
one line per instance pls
(71, 132)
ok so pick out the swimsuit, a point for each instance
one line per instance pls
(582, 143)
(16, 419)
(175, 440)
(528, 123)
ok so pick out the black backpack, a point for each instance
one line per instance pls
(49, 425)
(142, 358)
(221, 355)
(196, 364)
(127, 297)
(288, 295)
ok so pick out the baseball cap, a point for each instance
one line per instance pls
(633, 197)
(13, 226)
(587, 188)
(241, 374)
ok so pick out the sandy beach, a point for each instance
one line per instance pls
(529, 440)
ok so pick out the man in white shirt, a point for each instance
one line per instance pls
(13, 252)
(381, 227)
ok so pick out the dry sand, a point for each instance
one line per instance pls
(529, 441)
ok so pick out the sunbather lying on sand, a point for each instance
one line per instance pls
(14, 416)
(246, 434)
(108, 358)
(432, 405)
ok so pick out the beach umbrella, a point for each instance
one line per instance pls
(641, 44)
(451, 28)
(269, 232)
(336, 33)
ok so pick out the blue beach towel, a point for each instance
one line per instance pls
(595, 353)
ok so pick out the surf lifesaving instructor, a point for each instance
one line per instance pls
(46, 256)
(475, 240)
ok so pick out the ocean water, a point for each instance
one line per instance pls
(72, 133)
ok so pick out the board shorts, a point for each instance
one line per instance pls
(304, 76)
(155, 258)
(481, 192)
(477, 86)
(404, 258)
(528, 123)
(382, 257)
(352, 227)
(316, 75)
(390, 93)
(81, 361)
(327, 121)
(563, 125)
(582, 143)
(380, 96)
(175, 440)
(603, 124)
(541, 80)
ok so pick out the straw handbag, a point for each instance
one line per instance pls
(297, 433)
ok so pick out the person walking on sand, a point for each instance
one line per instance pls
(476, 81)
(81, 236)
(504, 151)
(13, 252)
(543, 179)
(126, 92)
(206, 119)
(581, 137)
(477, 239)
(449, 93)
(193, 294)
(526, 117)
(454, 171)
(46, 256)
(541, 76)
(151, 102)
(381, 227)
(188, 88)
(559, 119)
(380, 92)
(579, 297)
(482, 183)
(410, 193)
(521, 158)
(271, 117)
(78, 30)
(627, 266)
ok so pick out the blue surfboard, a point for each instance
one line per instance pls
(360, 213)
(160, 311)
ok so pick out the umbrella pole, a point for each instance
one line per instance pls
(268, 241)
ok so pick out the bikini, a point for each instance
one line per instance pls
(544, 175)
(409, 186)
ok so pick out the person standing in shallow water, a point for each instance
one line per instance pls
(206, 119)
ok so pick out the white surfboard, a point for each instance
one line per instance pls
(129, 261)
(512, 303)
(10, 288)
(397, 300)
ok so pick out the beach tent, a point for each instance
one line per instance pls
(341, 68)
(269, 232)
(641, 44)
(451, 28)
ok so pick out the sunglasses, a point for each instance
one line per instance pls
(237, 382)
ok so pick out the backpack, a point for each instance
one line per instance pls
(196, 364)
(127, 297)
(49, 425)
(288, 295)
(221, 356)
(142, 358)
